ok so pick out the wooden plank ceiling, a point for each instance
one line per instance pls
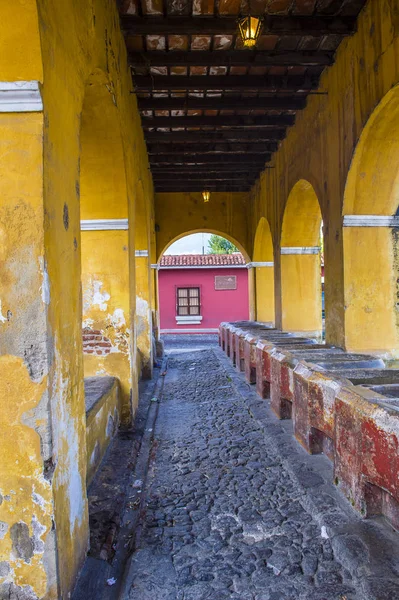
(214, 112)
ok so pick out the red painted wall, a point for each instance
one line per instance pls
(216, 305)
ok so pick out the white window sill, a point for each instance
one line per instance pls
(189, 320)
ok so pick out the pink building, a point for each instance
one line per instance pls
(197, 292)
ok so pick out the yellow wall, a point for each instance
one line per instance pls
(25, 430)
(40, 228)
(227, 214)
(105, 294)
(20, 52)
(320, 146)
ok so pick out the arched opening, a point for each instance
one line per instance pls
(104, 240)
(263, 264)
(301, 293)
(203, 280)
(371, 234)
(208, 231)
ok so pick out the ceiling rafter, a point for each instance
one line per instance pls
(254, 159)
(195, 137)
(317, 26)
(283, 103)
(258, 58)
(226, 82)
(220, 148)
(219, 121)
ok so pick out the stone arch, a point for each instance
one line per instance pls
(263, 259)
(301, 309)
(104, 238)
(370, 238)
(207, 230)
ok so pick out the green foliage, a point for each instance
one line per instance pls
(219, 245)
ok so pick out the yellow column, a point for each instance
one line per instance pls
(371, 290)
(42, 415)
(301, 290)
(264, 276)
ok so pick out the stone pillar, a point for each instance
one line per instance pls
(43, 505)
(106, 304)
(301, 290)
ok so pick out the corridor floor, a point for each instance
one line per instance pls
(235, 509)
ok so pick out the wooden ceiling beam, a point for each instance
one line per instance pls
(225, 82)
(197, 178)
(204, 183)
(216, 149)
(198, 188)
(193, 137)
(315, 26)
(204, 171)
(193, 103)
(202, 58)
(253, 159)
(219, 121)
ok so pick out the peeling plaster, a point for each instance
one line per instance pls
(93, 296)
(67, 451)
(100, 298)
(3, 319)
(45, 283)
(118, 318)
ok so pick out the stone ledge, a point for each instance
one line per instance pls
(102, 418)
(343, 405)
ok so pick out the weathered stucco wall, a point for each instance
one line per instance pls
(319, 148)
(106, 298)
(44, 523)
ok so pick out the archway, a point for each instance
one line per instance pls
(300, 262)
(371, 234)
(263, 263)
(104, 241)
(211, 231)
(202, 282)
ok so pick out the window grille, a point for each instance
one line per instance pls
(188, 301)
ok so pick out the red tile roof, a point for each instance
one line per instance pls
(202, 260)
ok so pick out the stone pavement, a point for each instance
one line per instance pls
(236, 509)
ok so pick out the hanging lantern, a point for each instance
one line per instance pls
(206, 194)
(249, 30)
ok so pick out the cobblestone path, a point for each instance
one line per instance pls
(225, 518)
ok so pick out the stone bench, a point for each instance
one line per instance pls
(102, 419)
(343, 405)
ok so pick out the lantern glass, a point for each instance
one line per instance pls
(206, 195)
(249, 30)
